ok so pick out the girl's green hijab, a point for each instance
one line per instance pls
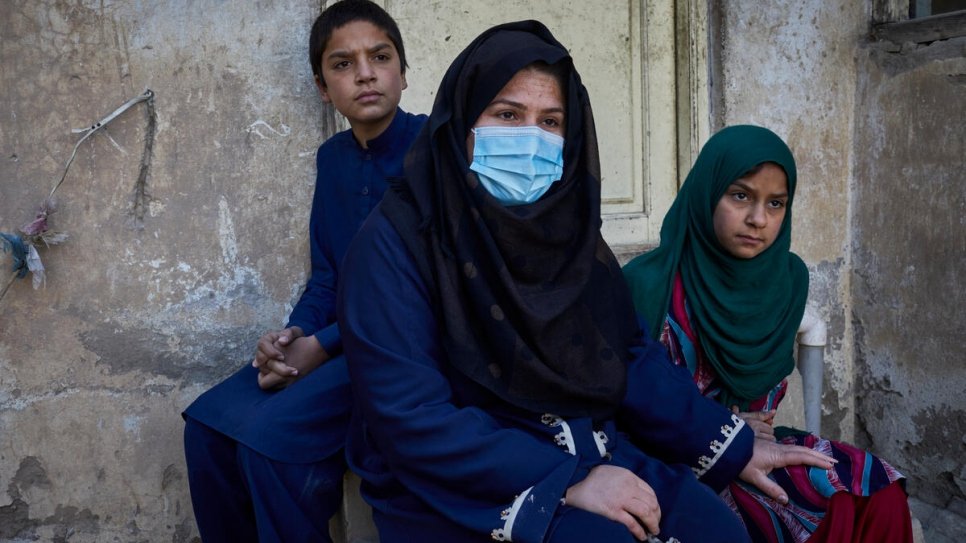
(746, 311)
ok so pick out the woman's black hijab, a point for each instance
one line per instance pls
(530, 300)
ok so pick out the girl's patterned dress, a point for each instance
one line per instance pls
(809, 489)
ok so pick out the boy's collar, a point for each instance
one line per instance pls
(390, 135)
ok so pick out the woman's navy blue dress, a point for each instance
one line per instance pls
(443, 459)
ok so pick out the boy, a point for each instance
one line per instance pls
(264, 448)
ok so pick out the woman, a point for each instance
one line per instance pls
(491, 339)
(730, 296)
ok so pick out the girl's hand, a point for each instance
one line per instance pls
(762, 422)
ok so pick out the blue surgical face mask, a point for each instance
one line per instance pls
(517, 165)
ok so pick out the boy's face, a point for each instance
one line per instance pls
(363, 77)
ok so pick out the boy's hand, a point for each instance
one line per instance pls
(270, 380)
(769, 455)
(268, 347)
(298, 357)
(619, 495)
(762, 422)
(269, 357)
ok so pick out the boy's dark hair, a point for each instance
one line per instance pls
(342, 13)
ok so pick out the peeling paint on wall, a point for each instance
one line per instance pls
(138, 319)
(909, 254)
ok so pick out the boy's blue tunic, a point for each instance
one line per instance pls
(306, 422)
(443, 459)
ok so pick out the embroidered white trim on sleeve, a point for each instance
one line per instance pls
(600, 438)
(718, 448)
(565, 438)
(509, 516)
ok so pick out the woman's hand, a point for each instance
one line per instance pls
(762, 422)
(620, 495)
(769, 455)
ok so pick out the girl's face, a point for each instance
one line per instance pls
(531, 98)
(749, 216)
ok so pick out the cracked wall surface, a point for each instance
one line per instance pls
(909, 243)
(162, 288)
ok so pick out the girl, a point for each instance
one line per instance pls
(728, 296)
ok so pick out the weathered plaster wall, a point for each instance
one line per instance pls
(139, 317)
(790, 66)
(909, 256)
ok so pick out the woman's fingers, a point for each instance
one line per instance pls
(795, 455)
(619, 495)
(769, 487)
(632, 524)
(640, 514)
(647, 512)
(769, 455)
